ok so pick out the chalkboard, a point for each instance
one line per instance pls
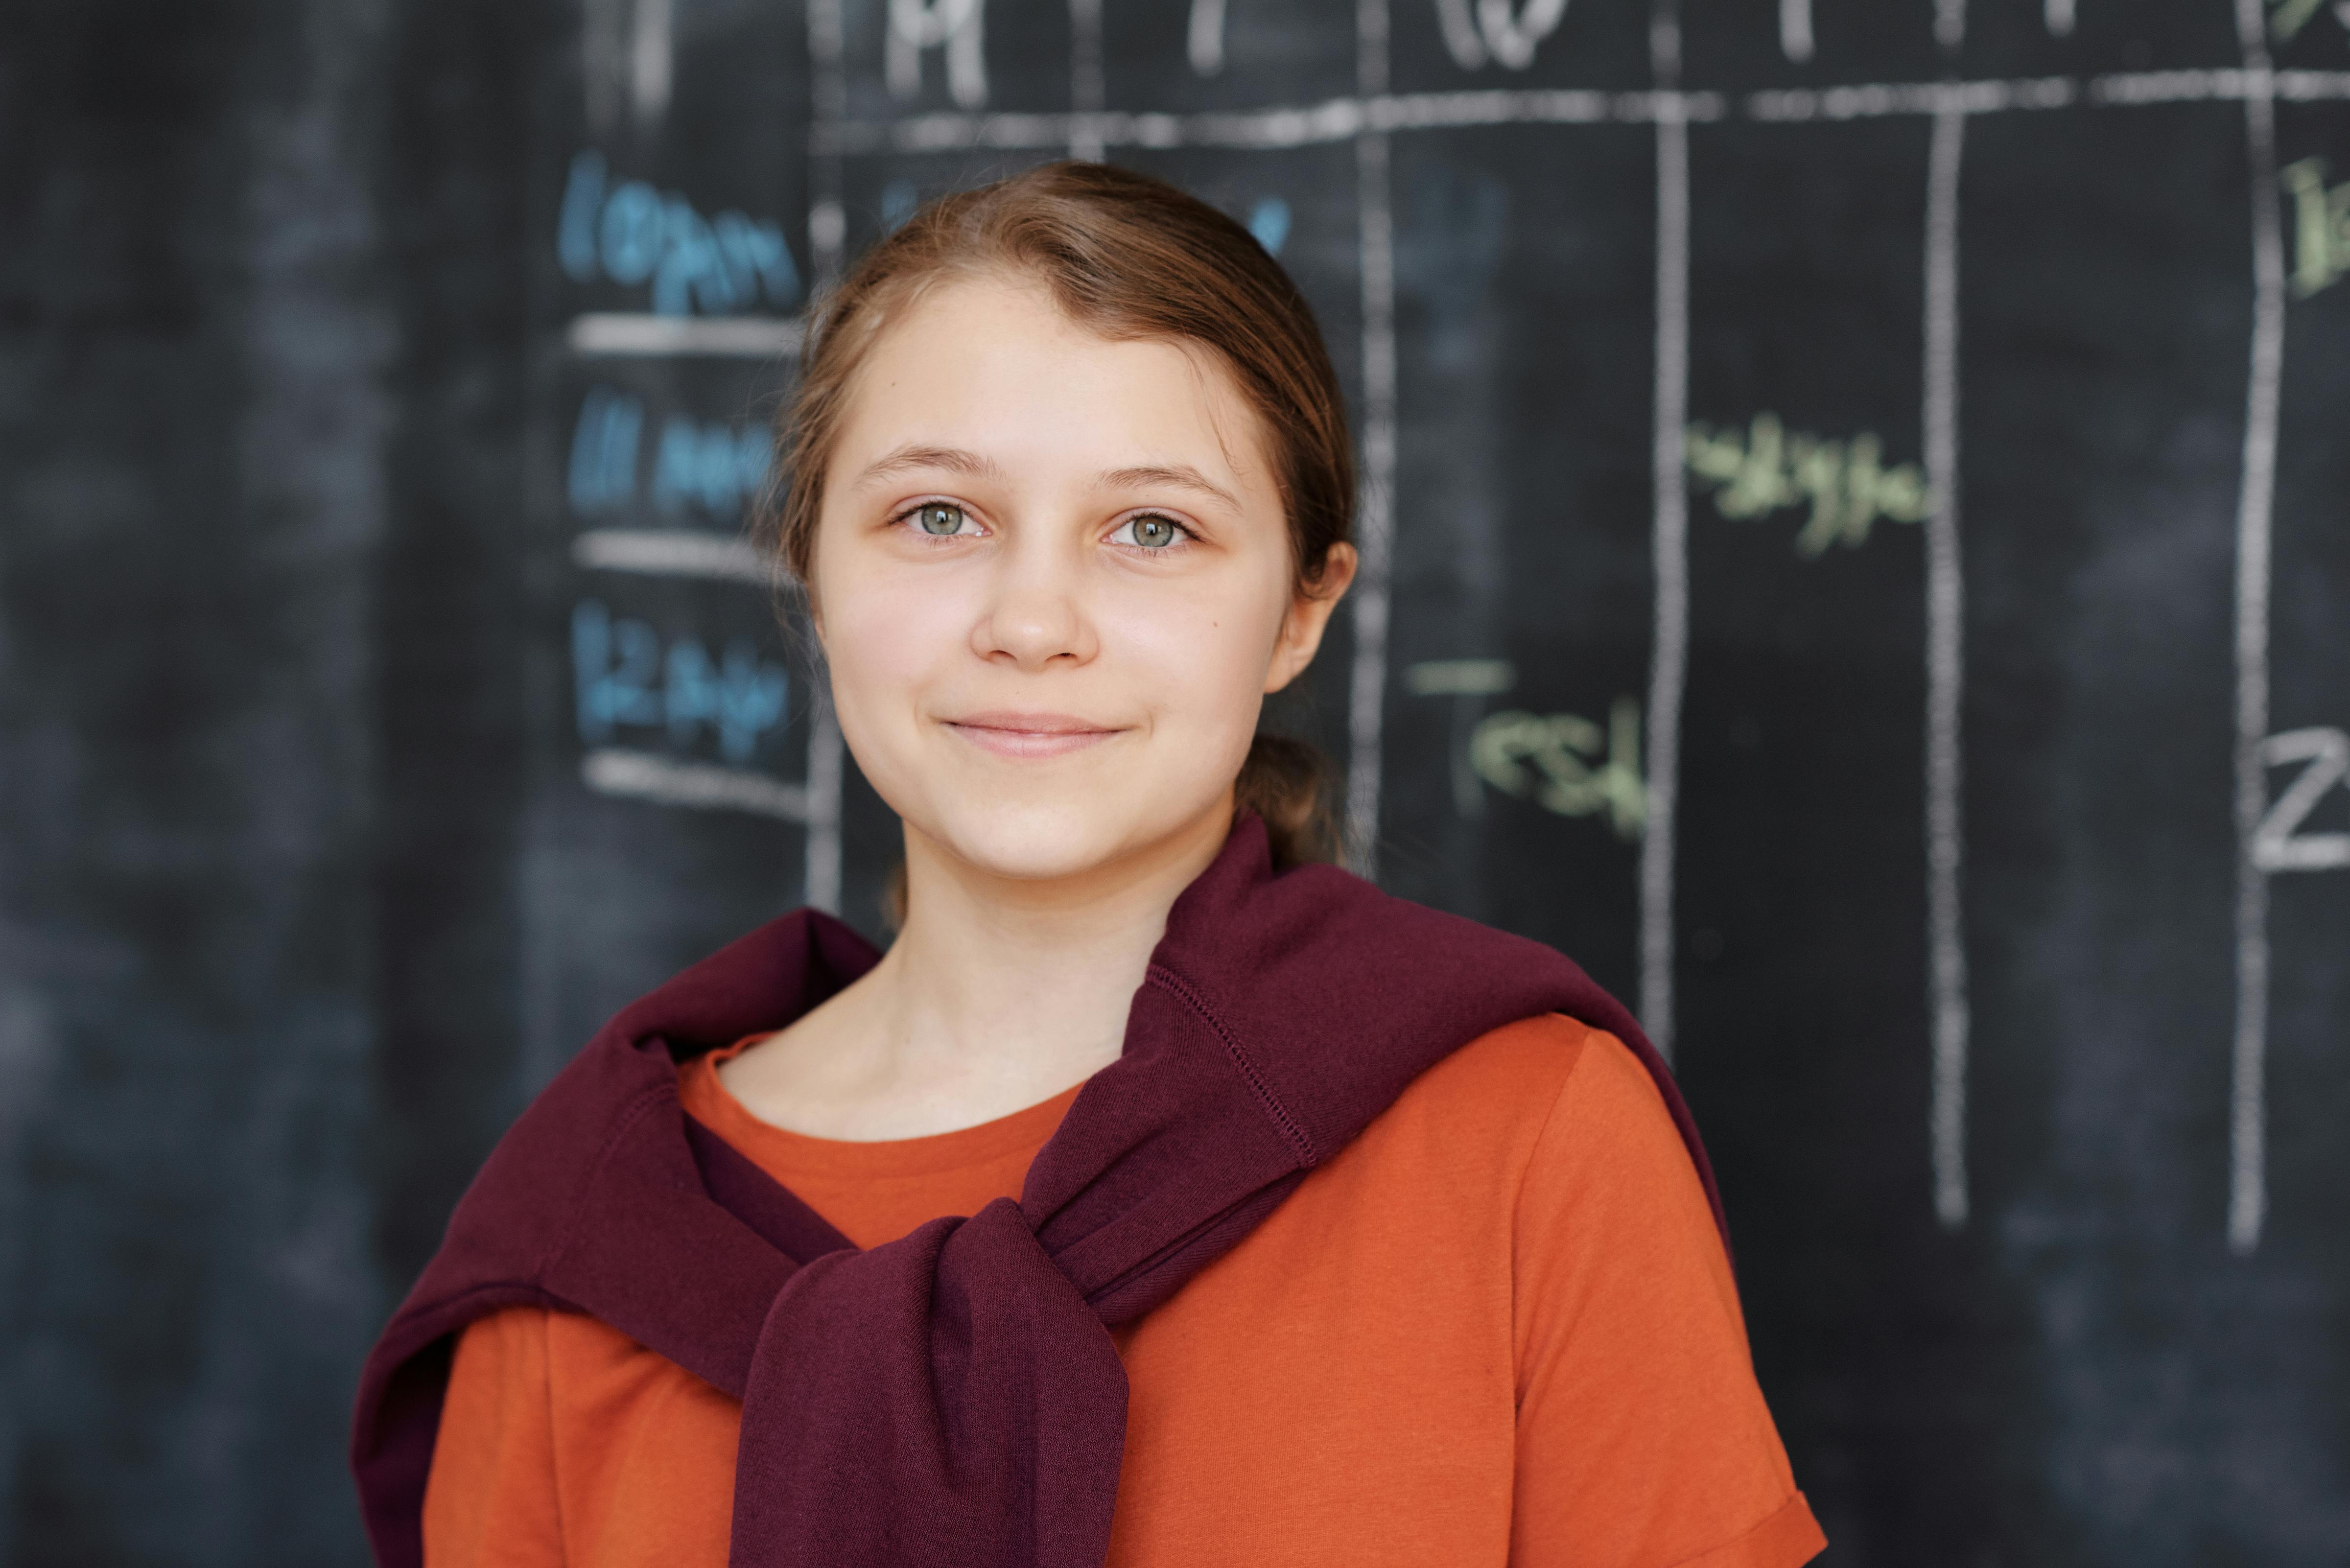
(1851, 556)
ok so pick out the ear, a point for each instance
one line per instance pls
(1308, 618)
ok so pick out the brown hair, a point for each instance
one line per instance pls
(1125, 256)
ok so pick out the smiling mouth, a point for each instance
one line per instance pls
(1030, 734)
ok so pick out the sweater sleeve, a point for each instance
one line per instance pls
(1642, 1440)
(490, 1501)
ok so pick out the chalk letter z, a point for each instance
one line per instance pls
(2274, 846)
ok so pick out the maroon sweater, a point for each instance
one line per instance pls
(954, 1397)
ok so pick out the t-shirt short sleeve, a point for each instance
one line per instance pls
(491, 1501)
(1643, 1440)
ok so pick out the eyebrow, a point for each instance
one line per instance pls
(955, 459)
(1182, 476)
(907, 459)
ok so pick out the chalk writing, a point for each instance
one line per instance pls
(1204, 39)
(1499, 30)
(957, 26)
(603, 473)
(2279, 844)
(631, 234)
(1567, 764)
(2321, 226)
(1468, 683)
(623, 677)
(1795, 29)
(711, 466)
(2288, 18)
(1847, 482)
(1269, 222)
(714, 468)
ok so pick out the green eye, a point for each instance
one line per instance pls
(938, 517)
(1153, 533)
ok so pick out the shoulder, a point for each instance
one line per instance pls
(1528, 1076)
(1548, 1124)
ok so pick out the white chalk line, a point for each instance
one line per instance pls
(1945, 676)
(700, 786)
(1949, 23)
(1795, 29)
(673, 553)
(1375, 517)
(1088, 86)
(1333, 120)
(615, 333)
(2248, 1067)
(1668, 544)
(828, 241)
(1343, 119)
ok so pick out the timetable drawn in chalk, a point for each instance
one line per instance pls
(738, 277)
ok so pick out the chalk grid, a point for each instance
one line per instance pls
(1369, 119)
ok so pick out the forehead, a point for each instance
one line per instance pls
(991, 363)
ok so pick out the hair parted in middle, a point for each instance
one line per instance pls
(1124, 256)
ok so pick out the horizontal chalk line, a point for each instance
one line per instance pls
(723, 337)
(673, 553)
(1340, 118)
(704, 786)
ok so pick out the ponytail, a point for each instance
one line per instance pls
(1287, 781)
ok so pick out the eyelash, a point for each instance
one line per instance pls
(1188, 534)
(908, 514)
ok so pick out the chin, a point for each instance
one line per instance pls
(1045, 841)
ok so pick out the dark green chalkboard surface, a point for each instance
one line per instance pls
(1854, 554)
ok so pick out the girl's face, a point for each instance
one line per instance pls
(1053, 580)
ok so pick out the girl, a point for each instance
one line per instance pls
(1162, 1195)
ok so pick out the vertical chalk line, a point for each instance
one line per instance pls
(1088, 88)
(2248, 1110)
(1375, 525)
(1949, 23)
(1945, 673)
(1795, 29)
(1669, 541)
(651, 61)
(828, 236)
(2058, 14)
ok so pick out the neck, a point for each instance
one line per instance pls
(1021, 980)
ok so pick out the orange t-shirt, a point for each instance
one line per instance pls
(1496, 1328)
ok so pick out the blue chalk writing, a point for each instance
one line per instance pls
(623, 677)
(1269, 222)
(710, 466)
(631, 233)
(714, 468)
(603, 473)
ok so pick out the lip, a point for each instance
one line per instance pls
(1021, 734)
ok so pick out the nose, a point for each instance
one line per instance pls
(1036, 617)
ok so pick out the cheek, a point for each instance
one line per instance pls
(1206, 649)
(887, 633)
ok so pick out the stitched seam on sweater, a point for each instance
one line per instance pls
(1168, 979)
(632, 1111)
